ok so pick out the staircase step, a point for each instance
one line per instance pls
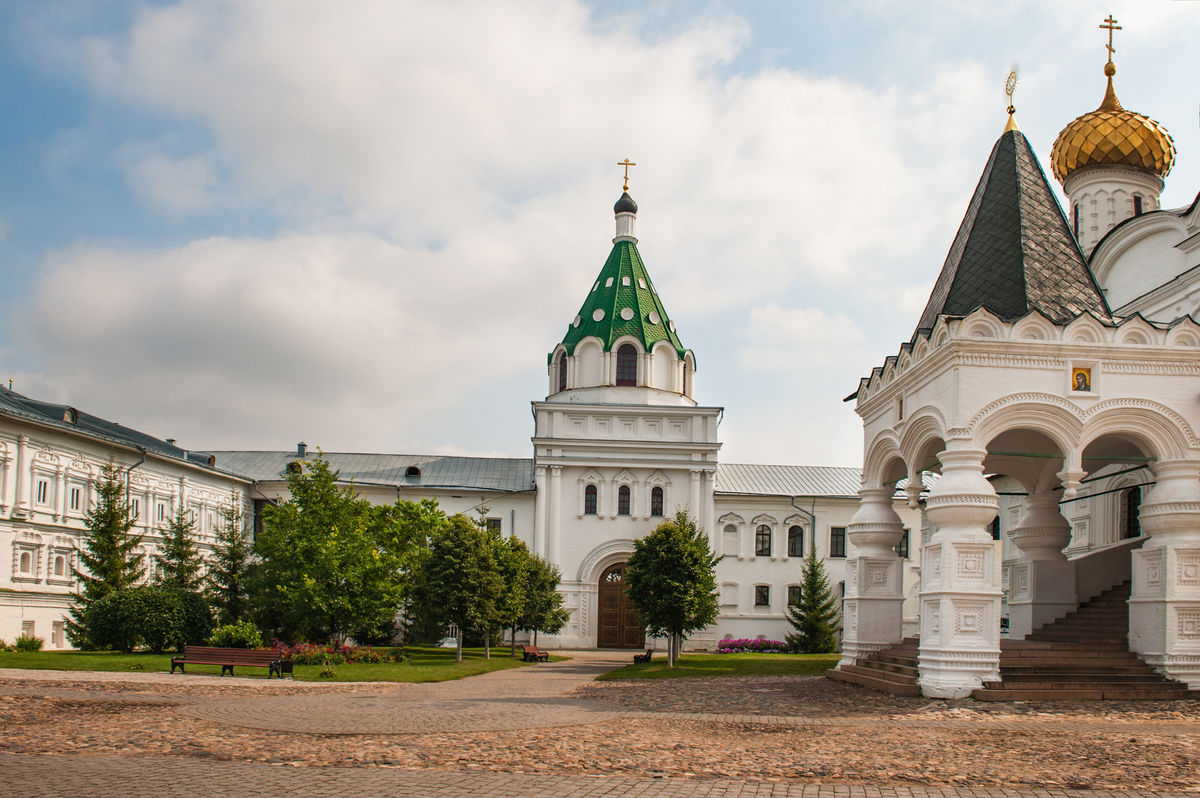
(885, 685)
(1102, 692)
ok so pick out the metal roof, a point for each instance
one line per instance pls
(73, 420)
(1014, 251)
(435, 471)
(788, 480)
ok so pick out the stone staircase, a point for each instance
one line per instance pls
(1082, 656)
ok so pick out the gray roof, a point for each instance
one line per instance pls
(73, 420)
(788, 480)
(436, 471)
(1014, 251)
(516, 474)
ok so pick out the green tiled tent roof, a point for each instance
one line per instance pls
(623, 283)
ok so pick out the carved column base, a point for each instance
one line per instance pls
(1164, 611)
(873, 610)
(1042, 592)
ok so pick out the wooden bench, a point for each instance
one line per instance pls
(534, 654)
(228, 658)
(643, 657)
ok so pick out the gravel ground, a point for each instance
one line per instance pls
(786, 728)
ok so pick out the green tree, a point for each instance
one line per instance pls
(515, 561)
(543, 611)
(671, 579)
(329, 562)
(230, 567)
(180, 560)
(815, 616)
(109, 553)
(460, 580)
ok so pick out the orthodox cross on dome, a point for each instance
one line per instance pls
(1110, 25)
(626, 163)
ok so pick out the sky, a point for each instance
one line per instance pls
(364, 225)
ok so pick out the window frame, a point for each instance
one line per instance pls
(627, 366)
(795, 531)
(761, 532)
(837, 542)
(762, 595)
(562, 372)
(903, 548)
(657, 496)
(591, 499)
(793, 591)
(624, 500)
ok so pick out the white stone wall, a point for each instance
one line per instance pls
(46, 479)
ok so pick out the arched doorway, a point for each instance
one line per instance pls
(620, 626)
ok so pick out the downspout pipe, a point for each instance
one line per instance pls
(128, 471)
(812, 518)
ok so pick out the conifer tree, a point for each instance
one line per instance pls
(180, 560)
(229, 569)
(815, 616)
(109, 554)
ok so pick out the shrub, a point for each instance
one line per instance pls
(157, 617)
(747, 646)
(240, 634)
(5, 646)
(28, 643)
(315, 654)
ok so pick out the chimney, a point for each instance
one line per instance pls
(301, 449)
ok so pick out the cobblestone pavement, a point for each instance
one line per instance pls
(550, 730)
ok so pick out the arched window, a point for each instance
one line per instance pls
(732, 543)
(623, 500)
(1137, 204)
(60, 566)
(627, 365)
(795, 541)
(656, 501)
(762, 541)
(562, 372)
(1132, 526)
(26, 566)
(589, 500)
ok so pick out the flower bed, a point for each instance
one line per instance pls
(316, 654)
(747, 646)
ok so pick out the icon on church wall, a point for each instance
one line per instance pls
(1081, 379)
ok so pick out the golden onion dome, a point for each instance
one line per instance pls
(1112, 136)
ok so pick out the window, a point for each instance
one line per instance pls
(75, 496)
(25, 564)
(27, 628)
(732, 544)
(589, 500)
(795, 541)
(762, 595)
(562, 372)
(656, 501)
(1137, 204)
(762, 541)
(623, 500)
(902, 547)
(57, 638)
(837, 541)
(492, 524)
(1132, 527)
(60, 565)
(43, 490)
(412, 471)
(1075, 214)
(135, 509)
(627, 365)
(793, 595)
(993, 528)
(160, 512)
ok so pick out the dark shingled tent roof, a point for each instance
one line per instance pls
(1014, 252)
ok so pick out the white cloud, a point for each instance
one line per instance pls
(788, 339)
(172, 185)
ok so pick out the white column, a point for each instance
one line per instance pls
(695, 500)
(960, 596)
(1164, 608)
(873, 609)
(21, 480)
(6, 480)
(1042, 580)
(540, 509)
(552, 547)
(60, 493)
(710, 511)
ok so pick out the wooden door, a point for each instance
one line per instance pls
(620, 626)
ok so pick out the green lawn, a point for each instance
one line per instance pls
(697, 665)
(424, 665)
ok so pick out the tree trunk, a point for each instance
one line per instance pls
(670, 650)
(458, 650)
(513, 640)
(535, 638)
(487, 643)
